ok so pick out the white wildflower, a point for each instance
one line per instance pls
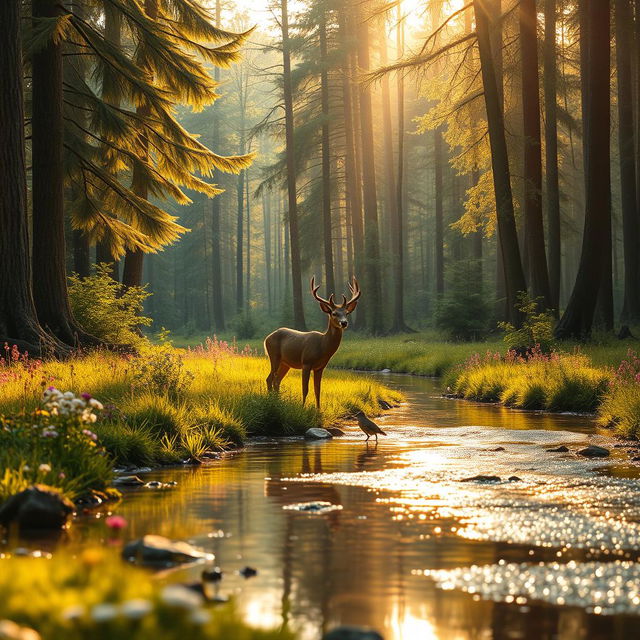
(29, 634)
(104, 612)
(136, 609)
(74, 612)
(69, 395)
(96, 404)
(44, 468)
(9, 630)
(180, 597)
(200, 617)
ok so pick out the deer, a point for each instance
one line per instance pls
(310, 350)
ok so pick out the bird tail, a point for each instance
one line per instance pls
(381, 431)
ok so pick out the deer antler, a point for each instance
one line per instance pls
(314, 291)
(354, 288)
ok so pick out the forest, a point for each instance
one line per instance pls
(188, 188)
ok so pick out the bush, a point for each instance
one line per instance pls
(244, 326)
(536, 330)
(463, 311)
(620, 408)
(160, 369)
(54, 445)
(106, 309)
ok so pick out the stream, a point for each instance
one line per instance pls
(413, 548)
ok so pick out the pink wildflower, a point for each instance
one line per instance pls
(116, 522)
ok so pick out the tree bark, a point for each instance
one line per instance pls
(551, 153)
(533, 223)
(371, 237)
(294, 237)
(577, 319)
(134, 260)
(626, 144)
(18, 321)
(439, 222)
(510, 251)
(216, 212)
(327, 226)
(49, 253)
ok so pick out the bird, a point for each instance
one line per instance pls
(369, 427)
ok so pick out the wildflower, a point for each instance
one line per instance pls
(49, 433)
(200, 617)
(86, 396)
(62, 475)
(96, 404)
(90, 434)
(180, 597)
(136, 609)
(116, 522)
(44, 468)
(74, 612)
(26, 468)
(9, 629)
(104, 612)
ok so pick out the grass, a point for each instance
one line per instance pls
(168, 405)
(95, 595)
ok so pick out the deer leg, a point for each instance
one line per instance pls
(271, 378)
(282, 371)
(306, 372)
(317, 380)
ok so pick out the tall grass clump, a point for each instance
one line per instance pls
(95, 595)
(555, 382)
(620, 408)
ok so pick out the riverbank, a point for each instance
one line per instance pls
(164, 406)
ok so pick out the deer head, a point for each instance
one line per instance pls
(338, 312)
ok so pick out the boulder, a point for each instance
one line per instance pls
(38, 507)
(317, 433)
(335, 432)
(560, 449)
(514, 479)
(348, 632)
(482, 478)
(158, 550)
(593, 451)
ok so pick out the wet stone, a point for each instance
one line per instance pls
(38, 507)
(317, 433)
(129, 481)
(514, 479)
(248, 572)
(348, 632)
(496, 449)
(482, 478)
(313, 507)
(158, 550)
(593, 451)
(560, 449)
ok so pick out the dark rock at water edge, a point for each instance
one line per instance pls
(158, 550)
(593, 451)
(38, 507)
(248, 572)
(317, 433)
(128, 481)
(560, 449)
(482, 478)
(348, 632)
(514, 479)
(496, 449)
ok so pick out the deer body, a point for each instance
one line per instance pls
(309, 350)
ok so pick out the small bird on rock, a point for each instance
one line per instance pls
(369, 427)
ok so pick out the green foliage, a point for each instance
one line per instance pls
(212, 418)
(53, 445)
(160, 369)
(463, 311)
(244, 326)
(94, 595)
(621, 406)
(537, 326)
(106, 309)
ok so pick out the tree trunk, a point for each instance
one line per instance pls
(439, 223)
(509, 249)
(326, 159)
(81, 258)
(578, 317)
(551, 153)
(294, 238)
(266, 214)
(373, 289)
(18, 321)
(216, 212)
(48, 254)
(398, 254)
(247, 197)
(533, 224)
(134, 260)
(626, 143)
(240, 238)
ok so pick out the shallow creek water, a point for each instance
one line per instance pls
(413, 551)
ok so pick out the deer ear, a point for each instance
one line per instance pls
(351, 307)
(325, 307)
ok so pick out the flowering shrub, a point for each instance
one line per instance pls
(628, 371)
(160, 369)
(620, 408)
(536, 330)
(54, 445)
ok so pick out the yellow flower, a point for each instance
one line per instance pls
(91, 557)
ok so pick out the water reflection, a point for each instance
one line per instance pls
(358, 565)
